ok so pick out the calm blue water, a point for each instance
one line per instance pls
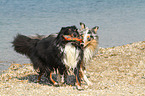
(120, 21)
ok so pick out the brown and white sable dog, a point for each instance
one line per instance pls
(90, 39)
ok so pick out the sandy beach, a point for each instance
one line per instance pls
(115, 71)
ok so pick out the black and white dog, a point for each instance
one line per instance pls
(90, 48)
(53, 53)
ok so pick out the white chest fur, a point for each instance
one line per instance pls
(71, 55)
(90, 51)
(88, 54)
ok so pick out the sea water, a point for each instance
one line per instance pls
(120, 21)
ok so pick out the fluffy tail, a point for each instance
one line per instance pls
(24, 45)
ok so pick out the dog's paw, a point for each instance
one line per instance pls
(56, 84)
(79, 88)
(90, 83)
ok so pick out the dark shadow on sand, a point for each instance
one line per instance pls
(33, 79)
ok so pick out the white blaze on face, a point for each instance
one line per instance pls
(85, 34)
(71, 55)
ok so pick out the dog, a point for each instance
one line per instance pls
(53, 53)
(91, 42)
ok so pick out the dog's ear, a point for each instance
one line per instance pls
(82, 25)
(61, 33)
(95, 29)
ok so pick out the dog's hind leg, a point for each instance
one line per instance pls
(39, 77)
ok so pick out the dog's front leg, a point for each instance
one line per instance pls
(85, 77)
(49, 76)
(78, 82)
(60, 78)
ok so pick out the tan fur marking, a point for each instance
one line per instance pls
(95, 30)
(79, 84)
(39, 77)
(52, 79)
(91, 44)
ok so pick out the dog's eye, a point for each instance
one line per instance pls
(88, 38)
(75, 35)
(82, 36)
(89, 32)
(91, 37)
(75, 30)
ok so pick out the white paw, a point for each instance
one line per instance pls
(90, 83)
(56, 84)
(79, 88)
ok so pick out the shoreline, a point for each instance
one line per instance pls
(116, 71)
